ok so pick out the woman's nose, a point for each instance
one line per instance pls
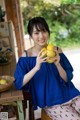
(40, 34)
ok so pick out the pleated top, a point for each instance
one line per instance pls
(47, 88)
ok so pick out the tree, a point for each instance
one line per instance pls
(60, 18)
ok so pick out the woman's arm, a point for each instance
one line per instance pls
(30, 74)
(61, 71)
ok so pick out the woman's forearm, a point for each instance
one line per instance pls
(29, 75)
(62, 72)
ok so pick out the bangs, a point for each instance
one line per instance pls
(40, 27)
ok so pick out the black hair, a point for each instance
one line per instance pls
(39, 23)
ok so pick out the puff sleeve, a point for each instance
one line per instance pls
(21, 69)
(67, 67)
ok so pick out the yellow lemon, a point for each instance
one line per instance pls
(43, 51)
(49, 61)
(50, 47)
(2, 82)
(50, 53)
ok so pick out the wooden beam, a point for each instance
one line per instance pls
(14, 14)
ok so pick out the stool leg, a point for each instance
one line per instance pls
(16, 112)
(20, 110)
(31, 111)
(24, 102)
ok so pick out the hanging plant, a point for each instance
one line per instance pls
(2, 14)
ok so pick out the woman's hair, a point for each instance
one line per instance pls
(39, 23)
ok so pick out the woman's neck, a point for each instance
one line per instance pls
(36, 49)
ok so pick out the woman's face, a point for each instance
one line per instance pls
(40, 37)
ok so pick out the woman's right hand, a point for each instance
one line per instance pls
(40, 59)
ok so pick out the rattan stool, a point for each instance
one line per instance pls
(44, 116)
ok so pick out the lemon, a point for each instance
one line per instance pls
(43, 51)
(50, 53)
(49, 61)
(50, 47)
(2, 82)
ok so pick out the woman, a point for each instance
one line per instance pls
(49, 83)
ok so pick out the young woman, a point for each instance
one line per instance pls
(49, 83)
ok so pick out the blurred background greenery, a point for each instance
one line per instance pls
(62, 16)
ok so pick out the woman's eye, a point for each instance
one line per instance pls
(44, 30)
(36, 33)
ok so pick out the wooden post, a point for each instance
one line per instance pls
(13, 11)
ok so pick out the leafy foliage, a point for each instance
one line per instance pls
(63, 20)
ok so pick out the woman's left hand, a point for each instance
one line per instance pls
(56, 59)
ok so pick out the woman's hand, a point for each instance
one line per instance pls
(40, 59)
(56, 59)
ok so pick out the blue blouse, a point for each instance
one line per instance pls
(46, 86)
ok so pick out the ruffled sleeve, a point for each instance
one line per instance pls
(21, 69)
(67, 67)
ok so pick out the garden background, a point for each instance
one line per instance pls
(63, 17)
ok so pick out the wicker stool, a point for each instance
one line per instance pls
(44, 116)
